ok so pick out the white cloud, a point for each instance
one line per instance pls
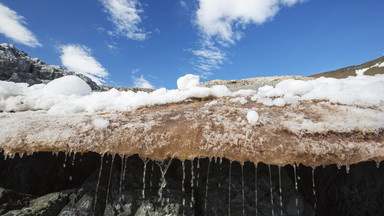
(142, 82)
(12, 26)
(124, 14)
(223, 18)
(209, 57)
(183, 4)
(221, 24)
(77, 58)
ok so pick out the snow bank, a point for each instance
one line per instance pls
(72, 95)
(360, 90)
(187, 82)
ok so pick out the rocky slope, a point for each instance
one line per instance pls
(369, 68)
(17, 66)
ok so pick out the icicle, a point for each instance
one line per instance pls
(256, 189)
(221, 161)
(65, 159)
(281, 192)
(145, 161)
(163, 169)
(242, 187)
(198, 172)
(347, 168)
(297, 190)
(98, 181)
(192, 180)
(314, 189)
(150, 179)
(229, 188)
(125, 168)
(182, 184)
(74, 158)
(338, 166)
(121, 176)
(270, 187)
(206, 187)
(378, 164)
(109, 180)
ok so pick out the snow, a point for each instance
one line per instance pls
(361, 71)
(187, 82)
(360, 90)
(68, 85)
(214, 102)
(252, 117)
(70, 94)
(100, 123)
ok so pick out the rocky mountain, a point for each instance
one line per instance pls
(17, 66)
(368, 68)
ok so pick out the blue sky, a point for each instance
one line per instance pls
(152, 43)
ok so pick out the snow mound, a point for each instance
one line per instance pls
(68, 85)
(100, 123)
(187, 82)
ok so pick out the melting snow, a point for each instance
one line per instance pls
(252, 117)
(72, 95)
(100, 123)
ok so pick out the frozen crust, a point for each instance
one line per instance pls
(312, 133)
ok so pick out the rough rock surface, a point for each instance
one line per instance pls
(17, 66)
(71, 189)
(372, 67)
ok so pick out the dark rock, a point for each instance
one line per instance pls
(359, 192)
(17, 66)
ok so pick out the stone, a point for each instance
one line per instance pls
(17, 66)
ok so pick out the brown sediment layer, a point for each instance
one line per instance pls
(310, 133)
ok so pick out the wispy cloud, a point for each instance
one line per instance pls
(78, 58)
(125, 16)
(221, 23)
(209, 57)
(12, 26)
(183, 4)
(141, 82)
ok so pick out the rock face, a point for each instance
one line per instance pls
(370, 68)
(17, 66)
(67, 185)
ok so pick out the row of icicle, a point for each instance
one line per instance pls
(164, 165)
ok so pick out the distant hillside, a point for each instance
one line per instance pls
(371, 68)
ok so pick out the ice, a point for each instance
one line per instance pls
(252, 117)
(100, 123)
